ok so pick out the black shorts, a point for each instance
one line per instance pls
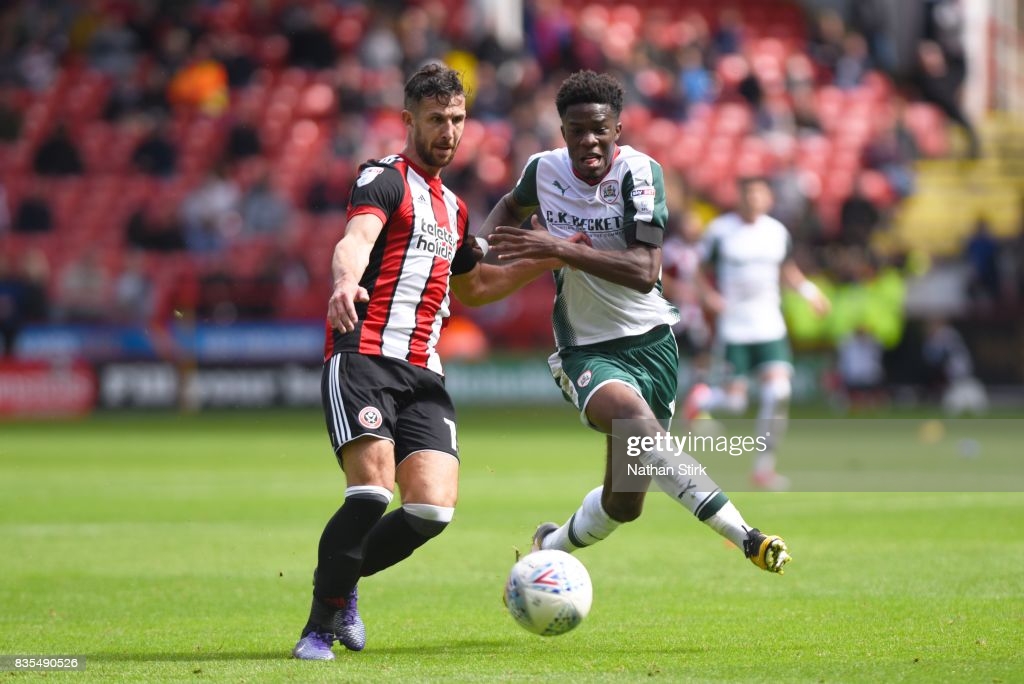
(388, 399)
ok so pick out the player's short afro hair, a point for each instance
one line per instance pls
(588, 87)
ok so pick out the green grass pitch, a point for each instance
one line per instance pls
(180, 548)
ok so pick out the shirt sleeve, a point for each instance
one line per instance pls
(467, 254)
(525, 192)
(646, 213)
(378, 190)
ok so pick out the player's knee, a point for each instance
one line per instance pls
(427, 519)
(623, 509)
(736, 401)
(370, 492)
(616, 401)
(777, 391)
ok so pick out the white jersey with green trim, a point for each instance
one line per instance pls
(748, 258)
(589, 309)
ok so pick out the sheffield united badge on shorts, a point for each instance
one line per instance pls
(369, 418)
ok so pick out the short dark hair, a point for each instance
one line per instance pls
(435, 81)
(588, 87)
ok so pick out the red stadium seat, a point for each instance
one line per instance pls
(714, 169)
(66, 195)
(928, 125)
(272, 51)
(658, 133)
(828, 211)
(732, 119)
(94, 143)
(498, 141)
(348, 32)
(731, 69)
(316, 101)
(686, 151)
(635, 117)
(86, 97)
(627, 14)
(228, 15)
(18, 156)
(876, 188)
(837, 185)
(878, 85)
(294, 79)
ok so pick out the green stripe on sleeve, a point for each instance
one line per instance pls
(525, 192)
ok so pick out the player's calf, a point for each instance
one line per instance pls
(401, 532)
(623, 507)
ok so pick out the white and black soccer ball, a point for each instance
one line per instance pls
(548, 592)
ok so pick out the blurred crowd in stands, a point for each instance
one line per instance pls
(163, 158)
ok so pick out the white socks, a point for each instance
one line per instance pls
(588, 525)
(730, 524)
(720, 401)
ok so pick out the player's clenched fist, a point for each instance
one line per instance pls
(341, 307)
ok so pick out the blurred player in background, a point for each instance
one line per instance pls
(750, 254)
(617, 359)
(389, 417)
(681, 268)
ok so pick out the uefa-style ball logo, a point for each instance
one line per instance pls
(370, 418)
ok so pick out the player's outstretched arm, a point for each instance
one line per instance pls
(793, 277)
(637, 267)
(351, 255)
(488, 283)
(507, 212)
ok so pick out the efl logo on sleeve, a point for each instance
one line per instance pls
(368, 175)
(643, 199)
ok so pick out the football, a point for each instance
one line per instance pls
(548, 592)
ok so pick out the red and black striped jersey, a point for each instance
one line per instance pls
(425, 224)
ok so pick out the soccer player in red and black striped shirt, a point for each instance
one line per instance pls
(406, 247)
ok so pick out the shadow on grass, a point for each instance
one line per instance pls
(487, 646)
(466, 646)
(190, 657)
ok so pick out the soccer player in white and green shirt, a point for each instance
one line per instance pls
(600, 209)
(750, 255)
